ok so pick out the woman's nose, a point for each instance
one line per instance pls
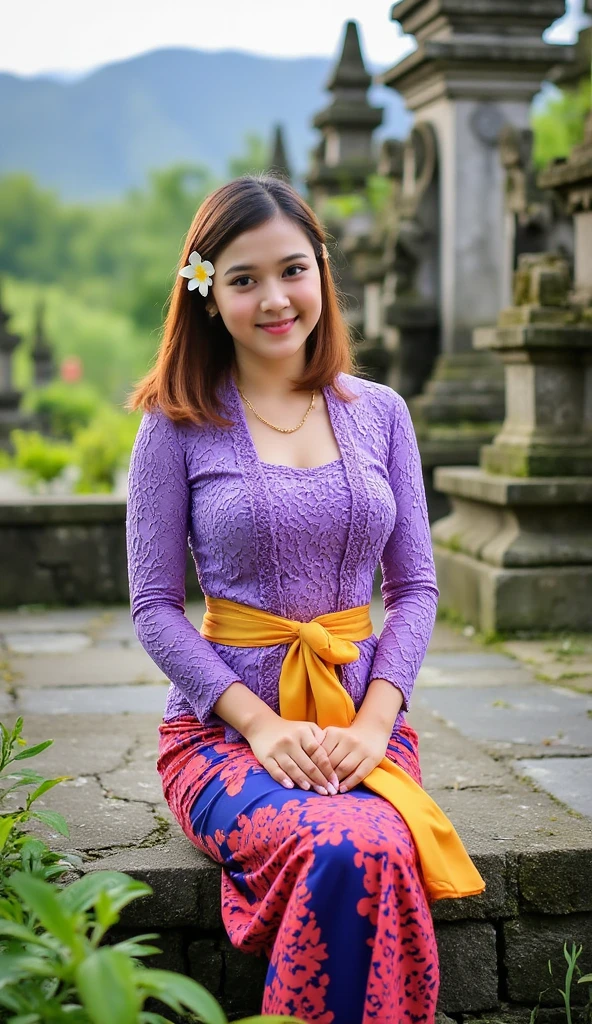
(274, 298)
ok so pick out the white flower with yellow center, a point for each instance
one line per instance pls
(199, 273)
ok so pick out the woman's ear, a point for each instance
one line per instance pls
(211, 309)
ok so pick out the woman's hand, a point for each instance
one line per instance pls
(292, 753)
(355, 751)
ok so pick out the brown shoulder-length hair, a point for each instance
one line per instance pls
(196, 351)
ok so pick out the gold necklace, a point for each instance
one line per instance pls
(282, 430)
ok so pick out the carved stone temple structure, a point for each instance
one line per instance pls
(345, 158)
(476, 69)
(278, 160)
(11, 416)
(516, 552)
(44, 368)
(398, 265)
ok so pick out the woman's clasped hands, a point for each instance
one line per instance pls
(328, 760)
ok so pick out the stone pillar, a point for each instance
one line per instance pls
(278, 161)
(475, 69)
(44, 369)
(10, 415)
(516, 551)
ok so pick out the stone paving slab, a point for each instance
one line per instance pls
(448, 764)
(30, 619)
(113, 763)
(567, 660)
(97, 821)
(463, 690)
(74, 700)
(567, 778)
(432, 675)
(446, 639)
(532, 714)
(46, 643)
(89, 744)
(463, 661)
(113, 666)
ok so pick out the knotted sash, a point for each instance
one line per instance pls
(310, 691)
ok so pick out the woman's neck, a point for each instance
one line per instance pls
(260, 382)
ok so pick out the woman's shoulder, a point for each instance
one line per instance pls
(376, 398)
(157, 430)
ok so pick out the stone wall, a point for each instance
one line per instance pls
(493, 949)
(67, 551)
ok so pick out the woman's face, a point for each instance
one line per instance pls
(267, 289)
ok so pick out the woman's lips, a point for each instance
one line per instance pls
(279, 327)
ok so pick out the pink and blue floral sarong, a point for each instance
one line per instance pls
(328, 888)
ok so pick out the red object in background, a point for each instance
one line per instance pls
(71, 368)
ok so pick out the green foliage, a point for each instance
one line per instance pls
(112, 349)
(97, 450)
(102, 448)
(253, 160)
(39, 458)
(559, 126)
(20, 851)
(371, 201)
(64, 407)
(57, 963)
(118, 256)
(104, 271)
(571, 957)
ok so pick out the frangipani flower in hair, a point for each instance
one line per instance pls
(199, 273)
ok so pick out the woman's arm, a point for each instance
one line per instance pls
(408, 586)
(157, 527)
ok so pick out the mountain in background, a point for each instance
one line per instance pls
(95, 137)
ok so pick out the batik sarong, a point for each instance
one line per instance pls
(328, 888)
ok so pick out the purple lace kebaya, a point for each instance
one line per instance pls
(295, 542)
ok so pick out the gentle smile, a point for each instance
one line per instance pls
(278, 326)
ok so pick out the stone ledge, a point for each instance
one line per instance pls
(475, 484)
(509, 600)
(47, 510)
(546, 881)
(481, 944)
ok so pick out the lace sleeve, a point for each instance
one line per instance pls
(157, 528)
(408, 588)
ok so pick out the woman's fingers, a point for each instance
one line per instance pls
(277, 773)
(347, 765)
(294, 771)
(357, 776)
(318, 779)
(321, 759)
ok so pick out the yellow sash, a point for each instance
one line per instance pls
(310, 691)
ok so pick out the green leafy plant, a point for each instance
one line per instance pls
(64, 408)
(102, 448)
(559, 125)
(39, 458)
(572, 968)
(58, 965)
(98, 450)
(20, 851)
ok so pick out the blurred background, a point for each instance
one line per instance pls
(115, 120)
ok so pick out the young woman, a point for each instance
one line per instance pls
(284, 751)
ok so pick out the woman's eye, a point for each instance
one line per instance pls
(242, 280)
(294, 267)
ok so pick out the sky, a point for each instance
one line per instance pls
(71, 37)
